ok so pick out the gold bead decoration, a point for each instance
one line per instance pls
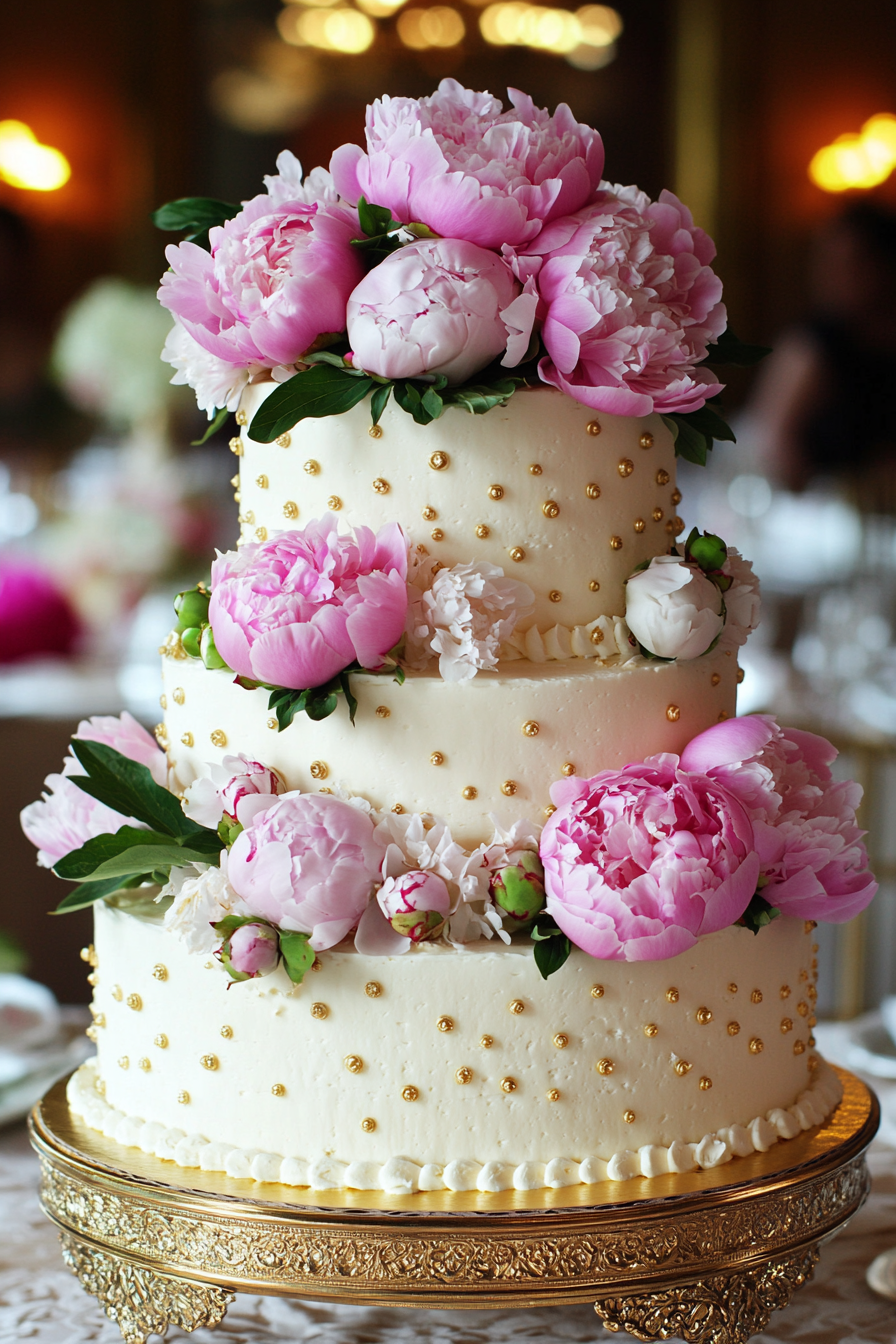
(626, 467)
(319, 770)
(382, 487)
(676, 496)
(804, 976)
(227, 1033)
(134, 1002)
(290, 509)
(437, 534)
(311, 468)
(567, 768)
(597, 991)
(646, 440)
(99, 1019)
(723, 714)
(756, 1046)
(597, 635)
(93, 978)
(516, 1006)
(803, 1008)
(463, 1075)
(615, 543)
(236, 446)
(187, 739)
(144, 1064)
(334, 503)
(705, 1084)
(604, 1067)
(639, 525)
(732, 988)
(100, 1086)
(436, 758)
(368, 1124)
(530, 728)
(553, 1094)
(550, 508)
(509, 788)
(811, 992)
(593, 428)
(651, 1029)
(410, 1093)
(785, 991)
(397, 807)
(375, 431)
(373, 989)
(704, 1016)
(91, 1032)
(560, 1040)
(756, 996)
(262, 481)
(509, 1084)
(209, 1062)
(354, 1063)
(673, 713)
(733, 1028)
(183, 1098)
(242, 418)
(124, 1062)
(517, 554)
(261, 533)
(629, 1117)
(159, 972)
(672, 995)
(161, 735)
(681, 1067)
(272, 723)
(496, 492)
(482, 531)
(486, 1042)
(283, 440)
(662, 477)
(470, 792)
(163, 701)
(555, 595)
(445, 1024)
(786, 1025)
(715, 678)
(594, 586)
(550, 810)
(657, 514)
(278, 1090)
(178, 696)
(535, 469)
(429, 514)
(320, 1011)
(117, 994)
(592, 490)
(383, 712)
(799, 1047)
(740, 675)
(439, 461)
(218, 738)
(161, 1041)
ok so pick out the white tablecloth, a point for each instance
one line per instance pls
(41, 1300)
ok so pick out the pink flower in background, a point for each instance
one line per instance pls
(295, 610)
(811, 850)
(630, 304)
(237, 788)
(308, 864)
(640, 862)
(35, 616)
(444, 306)
(278, 276)
(125, 735)
(461, 165)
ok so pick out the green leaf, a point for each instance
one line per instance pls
(214, 425)
(286, 705)
(208, 652)
(378, 401)
(412, 399)
(320, 705)
(298, 957)
(477, 398)
(709, 422)
(550, 954)
(194, 216)
(319, 391)
(230, 923)
(758, 914)
(375, 219)
(157, 858)
(729, 350)
(83, 862)
(129, 788)
(350, 700)
(690, 444)
(88, 892)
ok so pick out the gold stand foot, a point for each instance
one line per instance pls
(723, 1309)
(141, 1302)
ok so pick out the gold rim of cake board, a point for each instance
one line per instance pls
(737, 1240)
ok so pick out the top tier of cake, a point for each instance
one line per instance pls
(567, 501)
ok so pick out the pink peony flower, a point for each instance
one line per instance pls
(36, 618)
(461, 165)
(441, 306)
(278, 276)
(309, 864)
(630, 304)
(254, 949)
(237, 788)
(295, 610)
(810, 848)
(416, 904)
(640, 862)
(126, 736)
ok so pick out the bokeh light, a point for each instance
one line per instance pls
(439, 26)
(857, 162)
(586, 37)
(329, 29)
(26, 163)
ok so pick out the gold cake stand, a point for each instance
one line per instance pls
(706, 1256)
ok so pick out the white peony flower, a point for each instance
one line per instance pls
(202, 897)
(672, 608)
(742, 601)
(463, 614)
(215, 382)
(239, 787)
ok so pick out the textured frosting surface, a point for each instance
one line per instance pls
(610, 1064)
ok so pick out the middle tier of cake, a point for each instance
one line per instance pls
(460, 750)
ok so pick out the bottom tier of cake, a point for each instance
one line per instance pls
(453, 1069)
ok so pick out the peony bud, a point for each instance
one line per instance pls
(191, 608)
(518, 889)
(207, 651)
(416, 904)
(251, 950)
(672, 608)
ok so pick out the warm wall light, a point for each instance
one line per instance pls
(26, 163)
(589, 33)
(438, 26)
(857, 162)
(343, 30)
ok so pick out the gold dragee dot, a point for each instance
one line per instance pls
(657, 514)
(804, 976)
(799, 1047)
(383, 712)
(517, 554)
(278, 1090)
(368, 1124)
(639, 524)
(509, 1084)
(375, 431)
(785, 991)
(159, 972)
(593, 428)
(756, 996)
(604, 1067)
(629, 1117)
(161, 1041)
(681, 1067)
(811, 1040)
(93, 978)
(625, 467)
(218, 738)
(496, 492)
(99, 1019)
(535, 469)
(646, 440)
(662, 477)
(290, 509)
(236, 499)
(811, 1021)
(756, 1046)
(560, 1040)
(740, 675)
(651, 1029)
(705, 1084)
(733, 1028)
(397, 807)
(715, 678)
(144, 1064)
(592, 490)
(177, 695)
(262, 481)
(555, 595)
(100, 1086)
(334, 503)
(209, 1062)
(470, 792)
(236, 446)
(803, 1008)
(135, 1002)
(463, 1074)
(409, 1093)
(550, 508)
(439, 461)
(163, 701)
(530, 728)
(812, 992)
(516, 1006)
(373, 989)
(320, 1011)
(437, 534)
(672, 995)
(242, 418)
(553, 1094)
(615, 543)
(272, 723)
(381, 486)
(486, 1042)
(567, 768)
(90, 1032)
(445, 1024)
(594, 586)
(248, 517)
(187, 739)
(676, 496)
(550, 810)
(597, 991)
(117, 994)
(704, 1016)
(261, 533)
(283, 440)
(311, 467)
(674, 526)
(436, 758)
(160, 735)
(123, 1062)
(732, 988)
(429, 514)
(673, 713)
(597, 635)
(227, 1033)
(509, 787)
(482, 531)
(183, 1098)
(319, 770)
(723, 714)
(354, 1063)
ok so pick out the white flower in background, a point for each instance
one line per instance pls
(463, 614)
(238, 787)
(215, 382)
(742, 601)
(672, 608)
(288, 184)
(202, 897)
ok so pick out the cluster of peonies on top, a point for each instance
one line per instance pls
(508, 230)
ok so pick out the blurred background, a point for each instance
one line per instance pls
(775, 122)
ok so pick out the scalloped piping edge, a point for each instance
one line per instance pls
(401, 1176)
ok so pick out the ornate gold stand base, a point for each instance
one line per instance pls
(706, 1257)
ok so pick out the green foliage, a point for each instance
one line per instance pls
(129, 788)
(298, 957)
(320, 390)
(729, 350)
(693, 433)
(318, 702)
(708, 551)
(193, 216)
(552, 947)
(758, 914)
(214, 425)
(379, 229)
